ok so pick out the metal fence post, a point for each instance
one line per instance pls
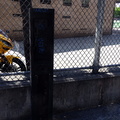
(42, 37)
(98, 34)
(25, 5)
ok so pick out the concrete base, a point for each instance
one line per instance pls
(15, 104)
(68, 94)
(86, 91)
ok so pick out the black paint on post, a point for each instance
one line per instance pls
(42, 35)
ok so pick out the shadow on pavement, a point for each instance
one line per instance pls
(111, 112)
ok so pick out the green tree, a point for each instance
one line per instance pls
(117, 12)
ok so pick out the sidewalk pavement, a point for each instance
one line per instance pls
(111, 112)
(79, 52)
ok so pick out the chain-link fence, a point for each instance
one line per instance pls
(86, 34)
(14, 40)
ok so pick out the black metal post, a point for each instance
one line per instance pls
(25, 5)
(41, 37)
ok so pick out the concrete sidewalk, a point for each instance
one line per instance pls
(79, 52)
(111, 112)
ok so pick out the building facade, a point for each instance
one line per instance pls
(73, 18)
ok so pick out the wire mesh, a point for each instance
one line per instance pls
(14, 55)
(77, 26)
